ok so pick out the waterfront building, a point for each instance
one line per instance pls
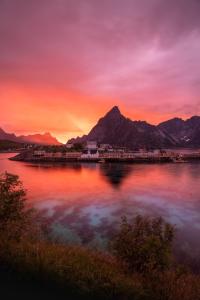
(104, 147)
(72, 155)
(69, 145)
(91, 145)
(90, 151)
(39, 153)
(90, 154)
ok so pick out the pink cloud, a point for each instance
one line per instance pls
(142, 55)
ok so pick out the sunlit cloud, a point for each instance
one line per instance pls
(63, 64)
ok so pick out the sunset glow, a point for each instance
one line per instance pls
(64, 64)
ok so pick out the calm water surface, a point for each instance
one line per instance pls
(85, 202)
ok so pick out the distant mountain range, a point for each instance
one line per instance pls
(118, 130)
(42, 139)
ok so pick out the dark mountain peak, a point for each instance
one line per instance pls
(193, 122)
(177, 119)
(114, 112)
(115, 129)
(174, 121)
(194, 118)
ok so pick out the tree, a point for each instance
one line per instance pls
(78, 147)
(144, 244)
(15, 218)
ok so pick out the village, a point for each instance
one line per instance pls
(91, 151)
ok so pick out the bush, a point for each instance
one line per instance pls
(172, 285)
(16, 221)
(145, 244)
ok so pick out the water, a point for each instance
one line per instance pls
(85, 202)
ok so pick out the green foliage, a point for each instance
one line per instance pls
(15, 218)
(78, 147)
(52, 148)
(60, 148)
(145, 244)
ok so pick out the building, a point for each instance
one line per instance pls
(69, 145)
(39, 153)
(104, 147)
(91, 145)
(118, 155)
(90, 154)
(72, 155)
(90, 151)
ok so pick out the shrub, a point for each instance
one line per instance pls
(172, 285)
(16, 221)
(145, 244)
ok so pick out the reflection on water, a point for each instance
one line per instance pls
(74, 166)
(84, 202)
(115, 173)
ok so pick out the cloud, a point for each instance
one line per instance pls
(140, 53)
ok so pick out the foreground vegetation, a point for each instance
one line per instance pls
(140, 266)
(60, 148)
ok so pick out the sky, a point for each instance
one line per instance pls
(65, 63)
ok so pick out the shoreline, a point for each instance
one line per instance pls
(106, 157)
(109, 160)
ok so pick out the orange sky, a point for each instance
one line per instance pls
(64, 114)
(64, 64)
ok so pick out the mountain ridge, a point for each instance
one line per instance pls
(114, 128)
(42, 139)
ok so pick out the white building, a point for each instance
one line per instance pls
(90, 154)
(90, 151)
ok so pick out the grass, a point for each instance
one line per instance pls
(76, 271)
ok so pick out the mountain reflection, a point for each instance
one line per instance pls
(115, 173)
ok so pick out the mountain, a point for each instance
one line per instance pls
(118, 130)
(43, 139)
(186, 133)
(8, 136)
